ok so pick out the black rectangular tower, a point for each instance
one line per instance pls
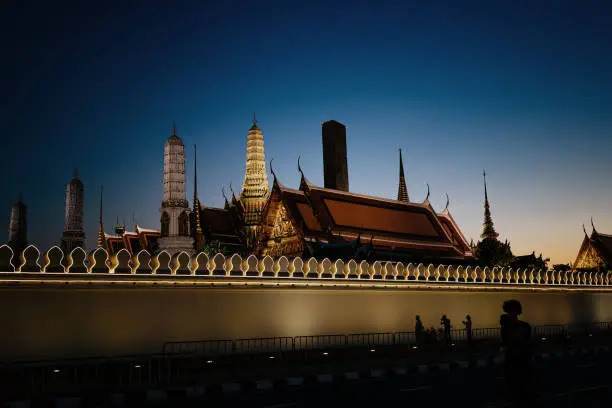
(335, 167)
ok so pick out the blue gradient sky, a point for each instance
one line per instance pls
(523, 90)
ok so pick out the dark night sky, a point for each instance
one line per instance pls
(520, 88)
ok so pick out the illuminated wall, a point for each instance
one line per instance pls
(52, 305)
(60, 320)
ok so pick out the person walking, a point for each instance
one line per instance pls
(468, 329)
(419, 331)
(516, 341)
(446, 330)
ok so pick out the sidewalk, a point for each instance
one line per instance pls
(217, 380)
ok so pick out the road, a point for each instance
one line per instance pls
(582, 380)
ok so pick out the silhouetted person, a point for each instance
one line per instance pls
(446, 330)
(516, 339)
(468, 329)
(419, 331)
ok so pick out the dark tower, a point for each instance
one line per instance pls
(196, 226)
(18, 227)
(101, 242)
(73, 235)
(488, 230)
(402, 190)
(335, 167)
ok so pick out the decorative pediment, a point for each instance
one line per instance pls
(283, 228)
(588, 258)
(280, 236)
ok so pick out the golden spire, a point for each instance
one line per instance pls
(255, 187)
(402, 190)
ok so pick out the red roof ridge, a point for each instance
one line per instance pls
(382, 199)
(446, 214)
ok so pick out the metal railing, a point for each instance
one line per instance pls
(214, 348)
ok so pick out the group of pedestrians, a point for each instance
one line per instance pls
(516, 345)
(443, 336)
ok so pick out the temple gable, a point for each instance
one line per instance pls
(588, 258)
(280, 236)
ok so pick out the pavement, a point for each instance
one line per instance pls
(573, 379)
(565, 377)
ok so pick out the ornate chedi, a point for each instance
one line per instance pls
(175, 231)
(595, 253)
(488, 230)
(255, 188)
(18, 227)
(73, 235)
(402, 190)
(490, 251)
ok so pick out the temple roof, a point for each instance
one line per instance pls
(595, 251)
(223, 225)
(321, 213)
(603, 243)
(217, 220)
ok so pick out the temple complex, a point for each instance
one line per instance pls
(310, 221)
(307, 221)
(73, 235)
(595, 253)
